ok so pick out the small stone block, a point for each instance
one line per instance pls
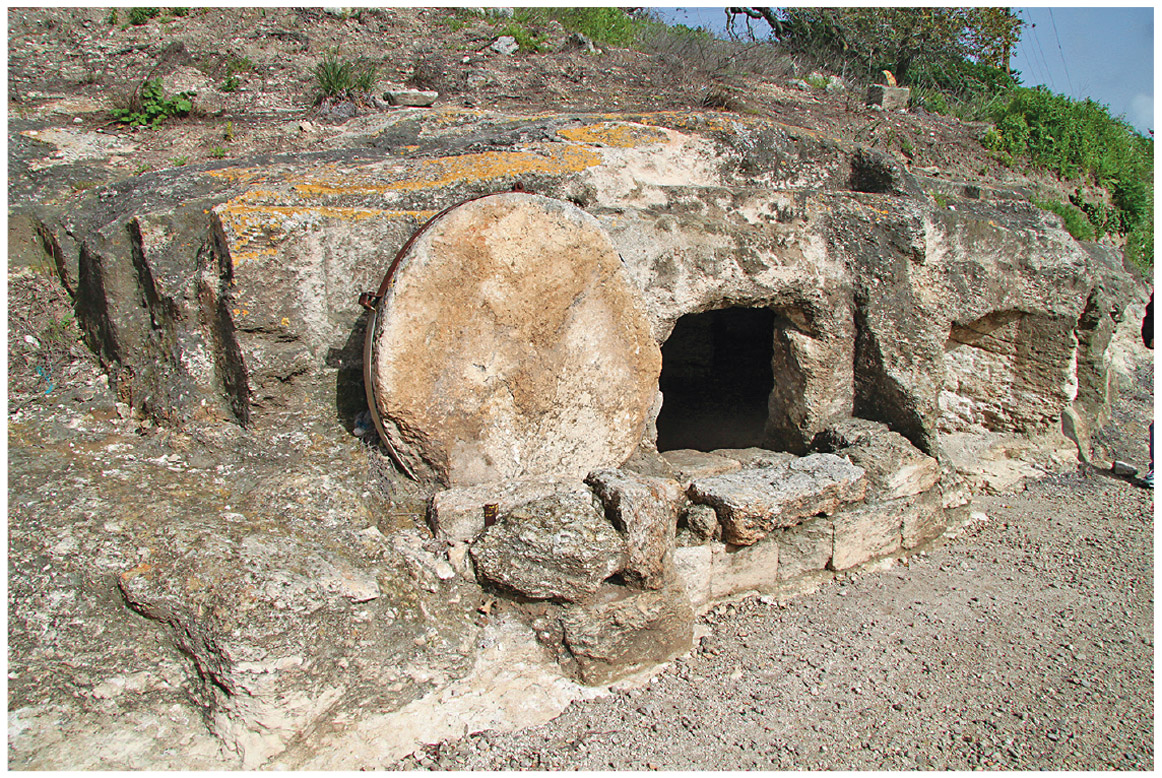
(890, 98)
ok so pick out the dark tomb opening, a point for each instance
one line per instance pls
(716, 380)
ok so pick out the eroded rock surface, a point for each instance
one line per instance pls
(559, 548)
(646, 511)
(750, 503)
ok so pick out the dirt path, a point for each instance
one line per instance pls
(1025, 643)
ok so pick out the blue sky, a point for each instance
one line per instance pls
(1106, 54)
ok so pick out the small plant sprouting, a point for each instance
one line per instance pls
(218, 152)
(179, 161)
(228, 133)
(230, 84)
(111, 19)
(238, 65)
(148, 105)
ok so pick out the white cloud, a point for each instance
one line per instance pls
(1142, 111)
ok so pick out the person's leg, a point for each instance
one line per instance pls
(1148, 479)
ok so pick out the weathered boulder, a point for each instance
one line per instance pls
(558, 548)
(510, 345)
(645, 510)
(614, 638)
(750, 503)
(894, 467)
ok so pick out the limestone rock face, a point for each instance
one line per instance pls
(750, 503)
(558, 548)
(646, 510)
(510, 345)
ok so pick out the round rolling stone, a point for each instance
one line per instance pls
(511, 344)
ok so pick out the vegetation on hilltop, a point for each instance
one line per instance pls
(956, 60)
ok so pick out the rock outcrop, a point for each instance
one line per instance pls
(518, 361)
(230, 291)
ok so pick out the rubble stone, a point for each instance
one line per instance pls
(869, 531)
(612, 639)
(645, 510)
(702, 521)
(890, 98)
(895, 468)
(558, 548)
(743, 569)
(804, 548)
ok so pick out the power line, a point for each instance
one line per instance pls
(1045, 62)
(1061, 52)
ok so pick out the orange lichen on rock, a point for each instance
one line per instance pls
(251, 229)
(614, 134)
(483, 166)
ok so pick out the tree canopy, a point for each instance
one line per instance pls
(895, 39)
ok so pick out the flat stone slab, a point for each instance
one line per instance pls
(689, 464)
(754, 456)
(752, 502)
(511, 345)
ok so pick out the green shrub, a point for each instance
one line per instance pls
(934, 102)
(139, 16)
(1140, 245)
(238, 65)
(231, 84)
(528, 41)
(816, 80)
(217, 152)
(1075, 221)
(1080, 140)
(340, 79)
(148, 105)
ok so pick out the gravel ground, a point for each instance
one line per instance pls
(1024, 643)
